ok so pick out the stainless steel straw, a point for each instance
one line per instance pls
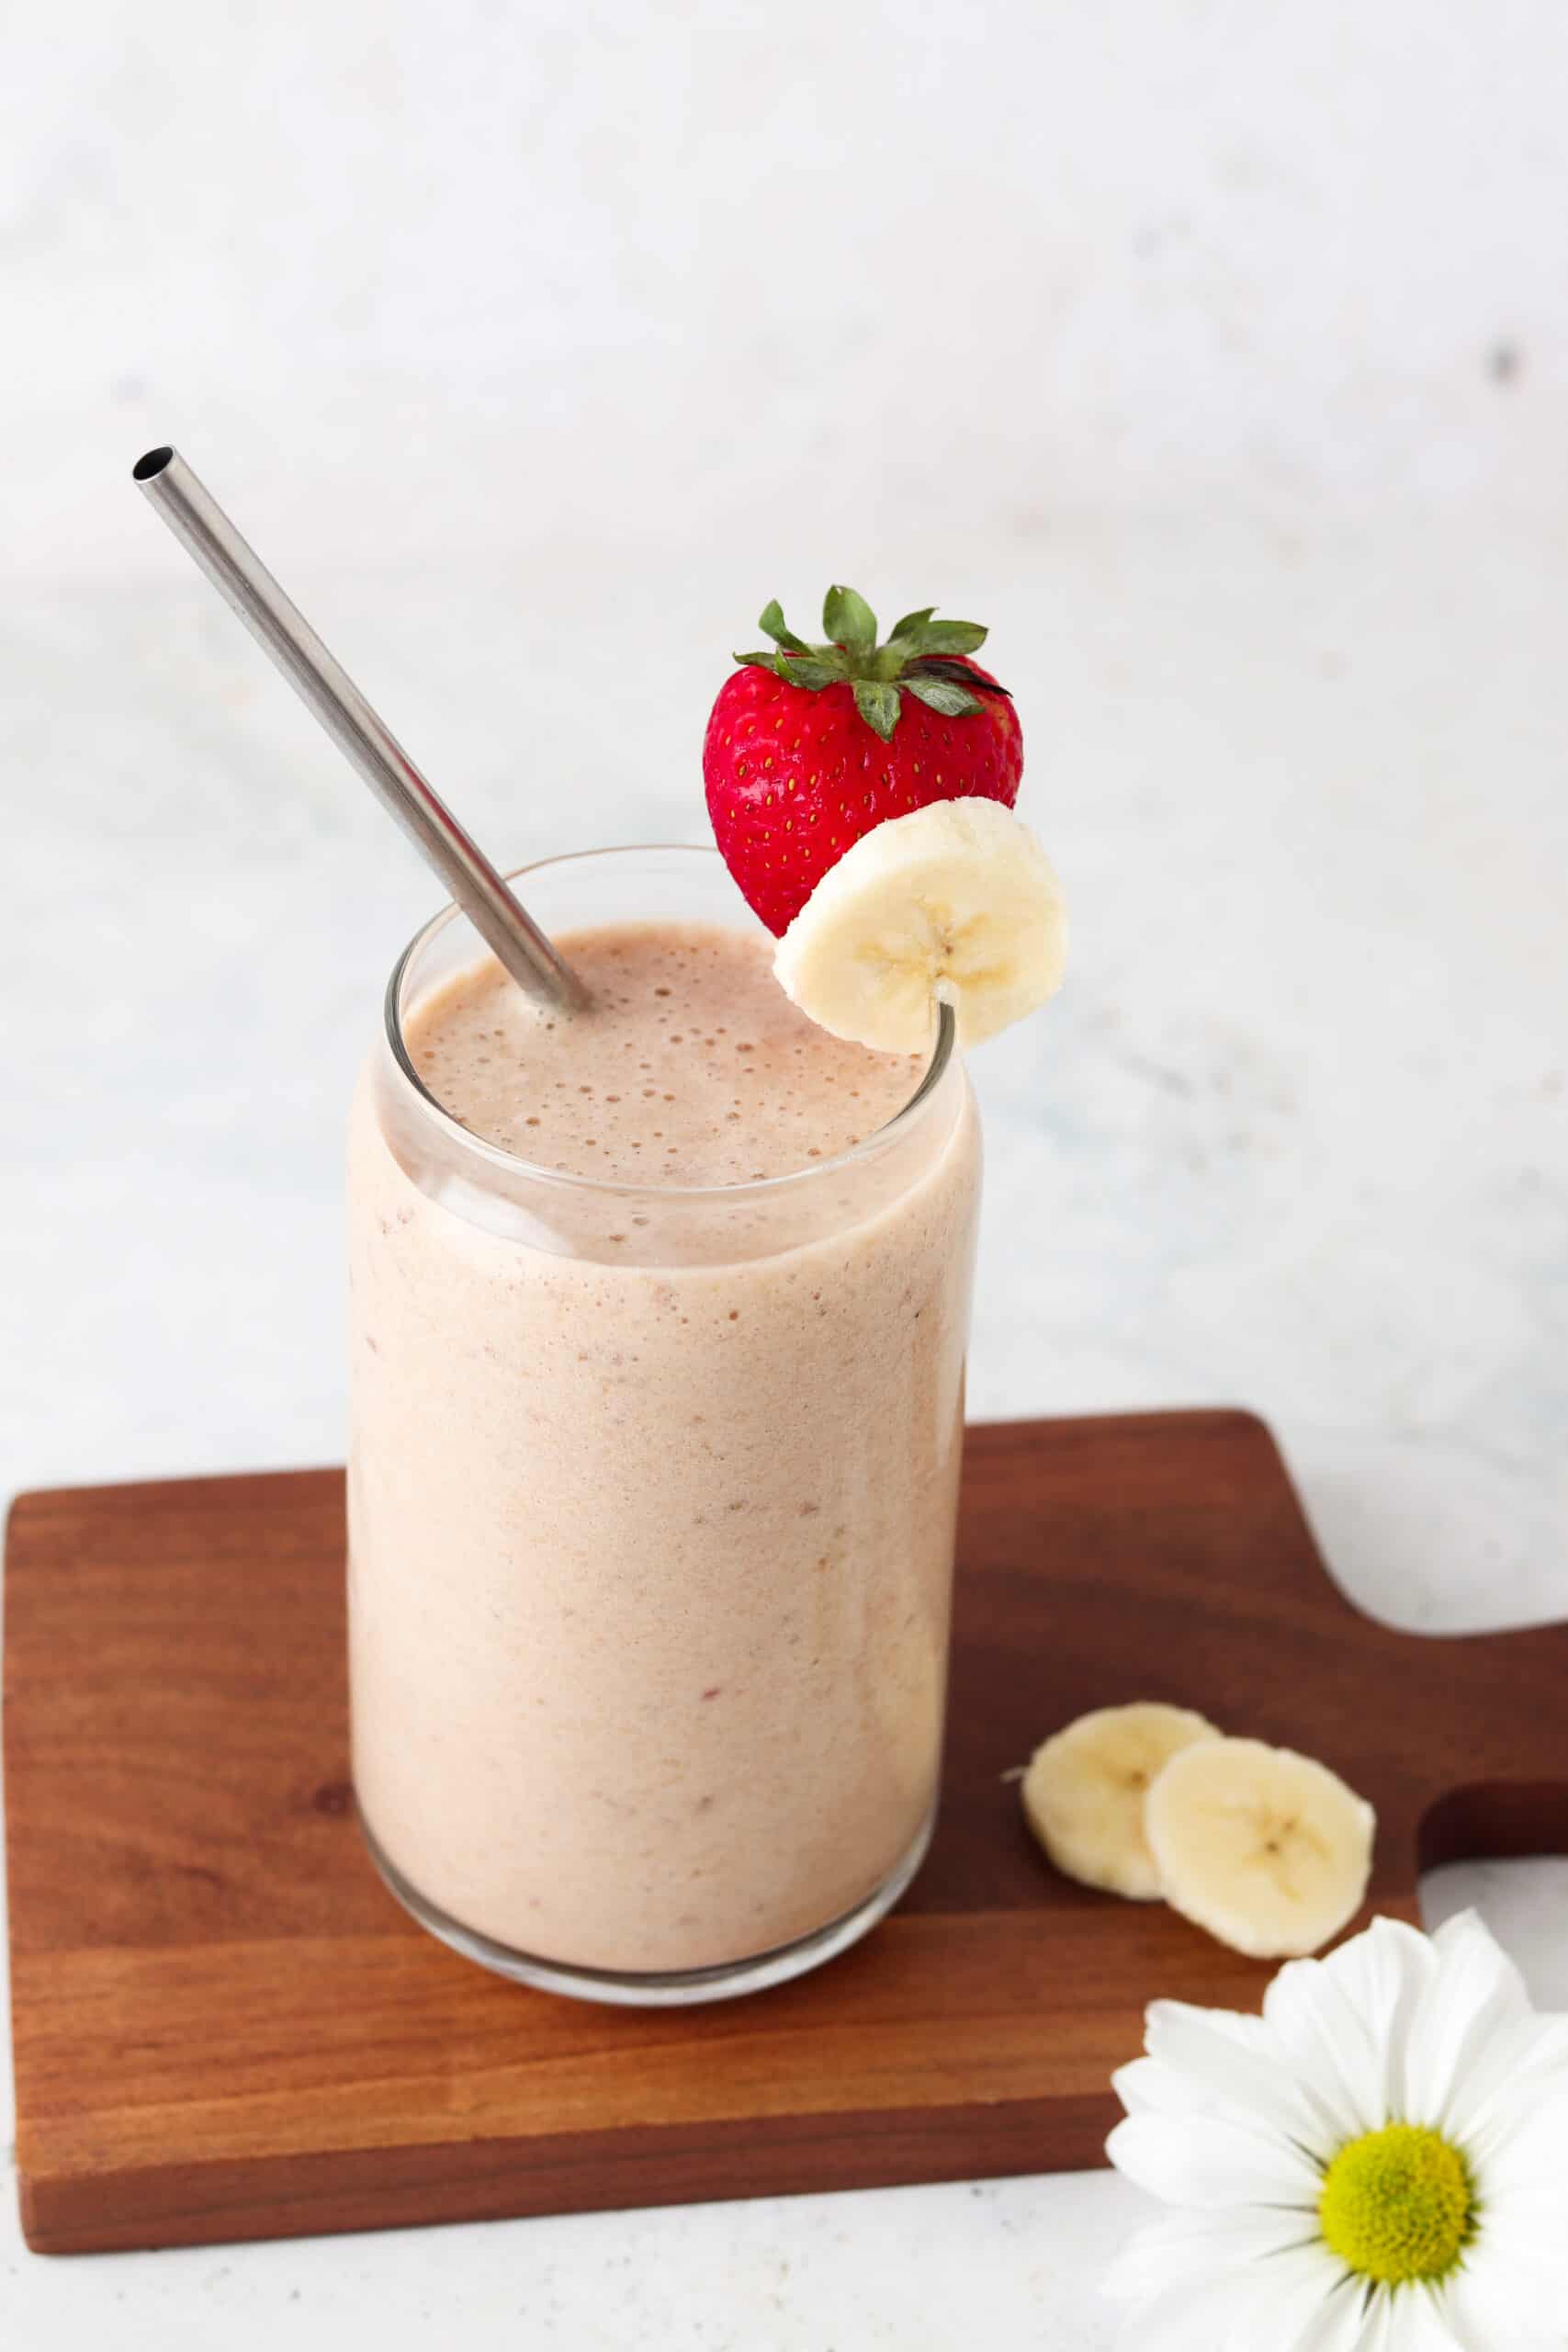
(277, 624)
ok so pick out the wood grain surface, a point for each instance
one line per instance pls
(225, 2028)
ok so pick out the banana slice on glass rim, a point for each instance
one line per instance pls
(954, 902)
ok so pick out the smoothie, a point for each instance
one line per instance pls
(658, 1332)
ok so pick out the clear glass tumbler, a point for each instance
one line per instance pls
(651, 1507)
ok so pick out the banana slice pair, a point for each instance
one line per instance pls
(1268, 1850)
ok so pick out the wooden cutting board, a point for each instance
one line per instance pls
(225, 2029)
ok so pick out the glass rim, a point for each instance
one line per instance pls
(513, 1163)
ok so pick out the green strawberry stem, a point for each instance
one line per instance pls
(922, 658)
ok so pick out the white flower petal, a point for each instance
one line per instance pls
(1525, 2073)
(1208, 2160)
(1237, 2025)
(1379, 1966)
(1416, 2321)
(1490, 2305)
(1407, 2321)
(1196, 2242)
(1469, 2325)
(1468, 1931)
(1547, 2040)
(1532, 2245)
(1274, 2304)
(1340, 2325)
(1522, 2151)
(1371, 2325)
(1242, 2066)
(1475, 1996)
(1342, 2021)
(1146, 2087)
(1538, 2204)
(1362, 2320)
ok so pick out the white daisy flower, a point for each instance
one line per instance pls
(1377, 2163)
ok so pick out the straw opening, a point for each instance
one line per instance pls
(149, 467)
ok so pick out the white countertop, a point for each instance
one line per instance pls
(1293, 1136)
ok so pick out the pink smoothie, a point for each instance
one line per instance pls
(655, 1462)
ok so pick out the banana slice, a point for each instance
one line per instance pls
(1085, 1790)
(955, 902)
(1268, 1850)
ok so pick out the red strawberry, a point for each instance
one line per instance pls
(809, 747)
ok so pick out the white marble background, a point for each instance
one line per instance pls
(1217, 355)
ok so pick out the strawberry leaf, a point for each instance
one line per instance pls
(912, 622)
(756, 660)
(950, 637)
(848, 620)
(812, 671)
(772, 624)
(957, 672)
(877, 705)
(941, 695)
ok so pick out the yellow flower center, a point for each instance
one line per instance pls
(1398, 2205)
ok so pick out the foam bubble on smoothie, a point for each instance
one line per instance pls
(694, 1066)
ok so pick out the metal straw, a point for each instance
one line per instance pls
(235, 571)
